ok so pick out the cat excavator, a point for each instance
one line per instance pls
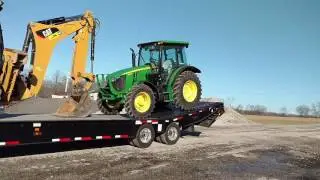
(40, 41)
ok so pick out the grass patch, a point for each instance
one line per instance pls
(282, 120)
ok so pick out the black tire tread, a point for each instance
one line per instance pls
(179, 102)
(136, 141)
(130, 99)
(103, 107)
(164, 139)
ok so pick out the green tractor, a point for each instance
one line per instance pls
(159, 75)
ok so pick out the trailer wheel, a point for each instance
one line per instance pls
(144, 136)
(158, 139)
(171, 135)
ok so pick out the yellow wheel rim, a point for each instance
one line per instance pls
(142, 102)
(190, 91)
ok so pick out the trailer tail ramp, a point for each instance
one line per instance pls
(163, 127)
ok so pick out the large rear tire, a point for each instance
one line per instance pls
(187, 90)
(140, 101)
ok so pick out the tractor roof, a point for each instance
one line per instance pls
(165, 42)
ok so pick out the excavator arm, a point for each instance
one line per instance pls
(43, 36)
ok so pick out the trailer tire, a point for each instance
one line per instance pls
(171, 135)
(158, 139)
(144, 136)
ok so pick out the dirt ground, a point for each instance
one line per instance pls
(282, 120)
(230, 152)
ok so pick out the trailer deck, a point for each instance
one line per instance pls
(24, 129)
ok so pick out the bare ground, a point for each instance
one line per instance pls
(235, 152)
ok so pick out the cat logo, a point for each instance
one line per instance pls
(50, 33)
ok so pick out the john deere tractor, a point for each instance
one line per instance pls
(159, 74)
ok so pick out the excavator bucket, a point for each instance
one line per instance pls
(79, 103)
(76, 106)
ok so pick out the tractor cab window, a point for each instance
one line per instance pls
(181, 55)
(173, 56)
(149, 54)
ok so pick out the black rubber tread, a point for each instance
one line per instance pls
(158, 139)
(179, 101)
(137, 142)
(129, 103)
(164, 136)
(105, 109)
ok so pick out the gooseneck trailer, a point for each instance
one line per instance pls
(164, 127)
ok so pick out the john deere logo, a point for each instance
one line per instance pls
(50, 33)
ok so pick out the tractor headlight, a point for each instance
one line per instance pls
(119, 83)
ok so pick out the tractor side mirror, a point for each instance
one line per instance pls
(133, 57)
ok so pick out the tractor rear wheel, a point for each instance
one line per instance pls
(187, 90)
(105, 108)
(140, 101)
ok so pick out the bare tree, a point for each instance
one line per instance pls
(239, 107)
(303, 110)
(58, 82)
(315, 109)
(284, 111)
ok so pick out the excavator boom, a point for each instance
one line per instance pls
(42, 37)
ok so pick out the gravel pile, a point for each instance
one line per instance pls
(230, 117)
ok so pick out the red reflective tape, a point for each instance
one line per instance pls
(124, 136)
(86, 138)
(154, 121)
(65, 139)
(106, 137)
(11, 143)
(179, 118)
(144, 121)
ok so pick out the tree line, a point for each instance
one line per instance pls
(54, 85)
(301, 110)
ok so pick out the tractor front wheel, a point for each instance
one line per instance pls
(187, 90)
(140, 101)
(105, 108)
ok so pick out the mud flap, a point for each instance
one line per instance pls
(76, 106)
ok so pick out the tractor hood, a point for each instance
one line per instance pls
(128, 71)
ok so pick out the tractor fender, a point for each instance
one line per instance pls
(174, 74)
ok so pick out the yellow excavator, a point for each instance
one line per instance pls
(42, 37)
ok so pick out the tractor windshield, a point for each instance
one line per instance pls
(149, 54)
(175, 54)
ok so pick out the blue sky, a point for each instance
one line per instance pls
(255, 51)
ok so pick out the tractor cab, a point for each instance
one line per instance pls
(163, 56)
